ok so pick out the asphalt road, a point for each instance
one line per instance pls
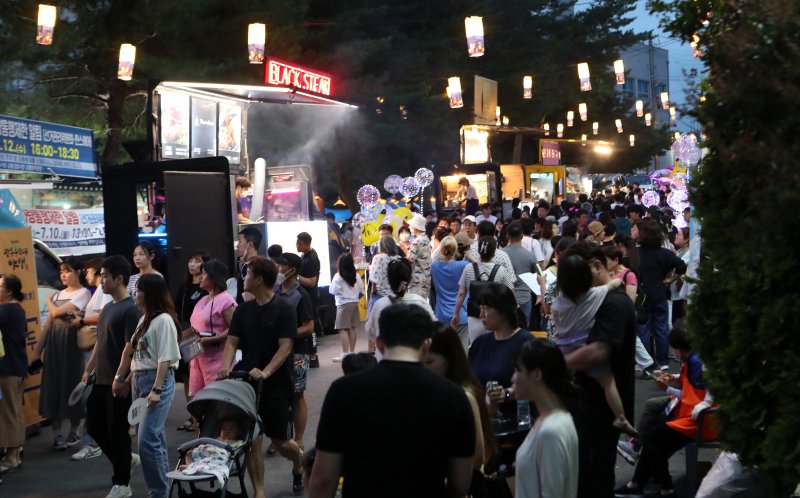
(48, 473)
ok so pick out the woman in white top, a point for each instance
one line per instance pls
(346, 288)
(155, 358)
(547, 461)
(63, 367)
(144, 254)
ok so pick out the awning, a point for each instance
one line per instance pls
(250, 93)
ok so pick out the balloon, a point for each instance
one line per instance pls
(359, 220)
(368, 195)
(372, 212)
(410, 187)
(650, 198)
(369, 233)
(403, 213)
(424, 177)
(393, 183)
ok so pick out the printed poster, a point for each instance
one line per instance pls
(230, 132)
(174, 125)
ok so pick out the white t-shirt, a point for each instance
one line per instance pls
(491, 218)
(159, 343)
(78, 298)
(502, 276)
(99, 299)
(533, 246)
(343, 292)
(547, 461)
(371, 326)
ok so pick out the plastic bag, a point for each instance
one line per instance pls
(728, 479)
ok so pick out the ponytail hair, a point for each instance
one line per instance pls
(546, 356)
(13, 285)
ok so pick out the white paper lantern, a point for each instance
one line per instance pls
(527, 87)
(632, 140)
(127, 59)
(583, 76)
(618, 122)
(619, 70)
(639, 108)
(256, 40)
(595, 128)
(475, 38)
(454, 92)
(570, 117)
(648, 119)
(45, 24)
(583, 137)
(665, 100)
(583, 111)
(560, 130)
(546, 127)
(497, 115)
(673, 115)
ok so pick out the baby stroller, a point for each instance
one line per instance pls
(220, 402)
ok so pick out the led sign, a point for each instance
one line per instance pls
(285, 74)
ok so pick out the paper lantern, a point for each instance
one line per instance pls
(583, 137)
(595, 128)
(368, 195)
(546, 127)
(475, 40)
(583, 76)
(392, 184)
(582, 111)
(665, 100)
(527, 87)
(619, 70)
(632, 140)
(639, 108)
(127, 58)
(560, 130)
(424, 177)
(256, 39)
(454, 92)
(648, 119)
(410, 187)
(46, 24)
(497, 115)
(673, 115)
(618, 122)
(505, 121)
(570, 117)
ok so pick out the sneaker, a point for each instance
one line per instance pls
(339, 358)
(119, 491)
(87, 453)
(135, 461)
(313, 363)
(625, 491)
(663, 368)
(71, 441)
(58, 442)
(647, 373)
(297, 484)
(627, 451)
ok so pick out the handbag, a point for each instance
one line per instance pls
(476, 289)
(190, 348)
(87, 337)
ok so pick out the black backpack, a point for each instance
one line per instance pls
(476, 288)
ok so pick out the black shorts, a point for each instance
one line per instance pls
(276, 416)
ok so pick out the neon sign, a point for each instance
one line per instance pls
(285, 74)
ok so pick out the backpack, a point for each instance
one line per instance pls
(476, 288)
(640, 304)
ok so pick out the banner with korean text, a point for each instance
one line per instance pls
(17, 258)
(69, 232)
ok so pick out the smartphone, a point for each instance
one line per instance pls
(205, 334)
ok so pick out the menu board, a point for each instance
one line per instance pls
(174, 125)
(204, 128)
(229, 135)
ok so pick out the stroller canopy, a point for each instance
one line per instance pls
(225, 398)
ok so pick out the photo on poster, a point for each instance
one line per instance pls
(174, 125)
(230, 132)
(204, 128)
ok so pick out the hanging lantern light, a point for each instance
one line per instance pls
(546, 127)
(582, 111)
(595, 128)
(505, 121)
(665, 100)
(560, 130)
(46, 24)
(497, 115)
(618, 122)
(475, 41)
(127, 58)
(454, 92)
(570, 117)
(632, 140)
(256, 39)
(583, 76)
(583, 137)
(648, 119)
(639, 108)
(619, 70)
(527, 87)
(673, 115)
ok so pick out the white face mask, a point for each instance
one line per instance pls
(281, 278)
(405, 236)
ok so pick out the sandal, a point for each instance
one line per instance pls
(187, 426)
(6, 468)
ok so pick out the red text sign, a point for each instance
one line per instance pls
(285, 74)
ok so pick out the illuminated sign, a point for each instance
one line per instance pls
(285, 74)
(551, 154)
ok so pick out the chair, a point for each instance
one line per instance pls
(692, 450)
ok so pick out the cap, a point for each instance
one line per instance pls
(417, 222)
(470, 218)
(291, 260)
(463, 239)
(596, 228)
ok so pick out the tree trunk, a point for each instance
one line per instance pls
(118, 92)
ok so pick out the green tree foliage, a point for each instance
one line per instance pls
(744, 319)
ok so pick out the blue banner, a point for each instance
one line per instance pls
(38, 147)
(11, 215)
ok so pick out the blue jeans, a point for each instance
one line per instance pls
(152, 435)
(527, 309)
(657, 327)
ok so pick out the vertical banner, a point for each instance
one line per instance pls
(230, 132)
(174, 126)
(204, 128)
(17, 258)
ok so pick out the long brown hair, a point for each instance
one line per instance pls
(445, 342)
(156, 302)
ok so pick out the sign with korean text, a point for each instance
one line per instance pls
(69, 231)
(551, 154)
(17, 258)
(285, 74)
(46, 148)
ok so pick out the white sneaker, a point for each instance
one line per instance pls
(119, 491)
(135, 461)
(339, 358)
(87, 453)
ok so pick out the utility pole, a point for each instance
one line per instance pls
(653, 108)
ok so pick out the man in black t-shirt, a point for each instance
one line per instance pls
(109, 401)
(246, 248)
(395, 430)
(612, 340)
(309, 279)
(264, 329)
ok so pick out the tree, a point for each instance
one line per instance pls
(744, 316)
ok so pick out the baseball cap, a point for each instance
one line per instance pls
(291, 260)
(470, 218)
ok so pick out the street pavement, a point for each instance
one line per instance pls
(46, 473)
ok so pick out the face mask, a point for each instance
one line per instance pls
(405, 236)
(280, 279)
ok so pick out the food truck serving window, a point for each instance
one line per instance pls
(543, 186)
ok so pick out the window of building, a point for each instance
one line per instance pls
(643, 88)
(629, 88)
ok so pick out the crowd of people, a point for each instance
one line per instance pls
(450, 319)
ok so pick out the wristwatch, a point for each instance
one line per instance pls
(157, 390)
(119, 378)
